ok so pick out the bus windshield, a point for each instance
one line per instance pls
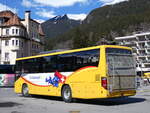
(120, 62)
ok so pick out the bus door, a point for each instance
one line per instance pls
(121, 72)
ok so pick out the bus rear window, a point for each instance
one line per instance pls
(120, 61)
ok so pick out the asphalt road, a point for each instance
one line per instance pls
(13, 103)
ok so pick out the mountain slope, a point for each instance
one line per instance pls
(121, 16)
(107, 22)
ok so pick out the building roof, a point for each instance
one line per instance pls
(14, 20)
(10, 18)
(6, 13)
(133, 36)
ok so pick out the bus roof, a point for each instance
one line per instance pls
(74, 50)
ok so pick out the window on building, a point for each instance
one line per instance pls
(6, 42)
(17, 31)
(13, 31)
(23, 33)
(13, 42)
(7, 31)
(17, 42)
(6, 56)
(21, 44)
(32, 35)
(20, 31)
(1, 21)
(6, 62)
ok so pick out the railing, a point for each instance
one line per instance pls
(36, 39)
(15, 48)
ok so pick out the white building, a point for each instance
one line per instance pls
(19, 37)
(141, 49)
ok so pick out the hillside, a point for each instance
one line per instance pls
(105, 23)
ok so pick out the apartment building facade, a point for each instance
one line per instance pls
(19, 37)
(140, 43)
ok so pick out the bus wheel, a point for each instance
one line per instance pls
(67, 94)
(25, 90)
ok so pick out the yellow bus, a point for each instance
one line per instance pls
(105, 71)
(146, 75)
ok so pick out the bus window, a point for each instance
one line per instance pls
(77, 60)
(49, 63)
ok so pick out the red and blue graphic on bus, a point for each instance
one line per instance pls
(58, 78)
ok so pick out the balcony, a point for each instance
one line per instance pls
(147, 51)
(5, 36)
(141, 38)
(15, 48)
(147, 62)
(36, 39)
(129, 43)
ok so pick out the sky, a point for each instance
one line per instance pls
(42, 10)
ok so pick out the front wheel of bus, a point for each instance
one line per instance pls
(67, 94)
(25, 90)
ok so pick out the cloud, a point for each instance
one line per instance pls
(59, 3)
(39, 20)
(5, 7)
(110, 2)
(77, 16)
(45, 14)
(50, 14)
(28, 3)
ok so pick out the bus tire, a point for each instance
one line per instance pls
(25, 90)
(66, 94)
